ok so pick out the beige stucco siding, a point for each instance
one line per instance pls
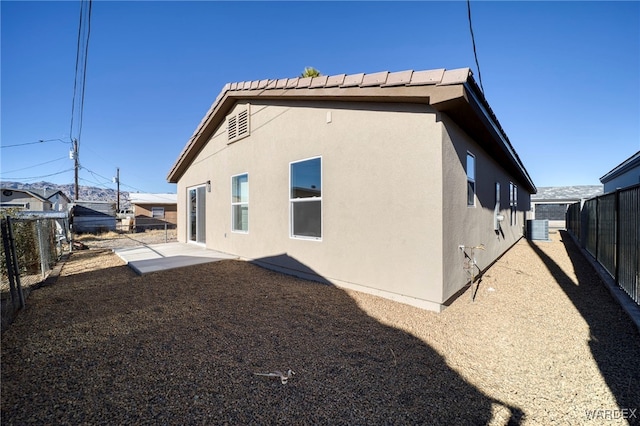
(381, 197)
(25, 201)
(474, 226)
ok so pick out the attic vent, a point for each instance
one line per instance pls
(233, 127)
(238, 125)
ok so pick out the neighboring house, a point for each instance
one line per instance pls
(625, 174)
(367, 181)
(154, 210)
(23, 199)
(93, 216)
(551, 203)
(59, 200)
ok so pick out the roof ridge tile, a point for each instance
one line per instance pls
(425, 77)
(319, 81)
(374, 79)
(352, 80)
(399, 78)
(304, 82)
(335, 80)
(292, 83)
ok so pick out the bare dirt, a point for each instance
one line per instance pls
(543, 343)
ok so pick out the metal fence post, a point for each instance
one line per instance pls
(617, 239)
(14, 265)
(41, 249)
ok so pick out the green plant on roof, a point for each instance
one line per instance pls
(310, 72)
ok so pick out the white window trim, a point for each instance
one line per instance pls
(472, 179)
(513, 203)
(297, 200)
(157, 208)
(189, 189)
(239, 204)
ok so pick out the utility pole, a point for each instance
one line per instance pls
(76, 167)
(117, 181)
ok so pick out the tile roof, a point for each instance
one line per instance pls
(439, 77)
(452, 91)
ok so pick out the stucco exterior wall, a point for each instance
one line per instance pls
(20, 198)
(381, 196)
(474, 226)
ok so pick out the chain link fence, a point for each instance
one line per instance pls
(30, 249)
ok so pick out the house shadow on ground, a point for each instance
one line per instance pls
(183, 346)
(614, 341)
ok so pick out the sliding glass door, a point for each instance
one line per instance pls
(197, 214)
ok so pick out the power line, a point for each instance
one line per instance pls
(82, 53)
(473, 41)
(80, 79)
(35, 165)
(84, 69)
(36, 177)
(33, 143)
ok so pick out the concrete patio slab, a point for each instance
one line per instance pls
(161, 257)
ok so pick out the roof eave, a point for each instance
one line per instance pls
(474, 115)
(461, 100)
(622, 168)
(227, 98)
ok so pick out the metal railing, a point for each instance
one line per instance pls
(608, 227)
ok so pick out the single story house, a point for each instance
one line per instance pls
(623, 175)
(378, 182)
(154, 210)
(24, 199)
(551, 202)
(59, 200)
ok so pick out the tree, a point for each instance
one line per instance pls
(310, 72)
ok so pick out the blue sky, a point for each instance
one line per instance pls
(563, 78)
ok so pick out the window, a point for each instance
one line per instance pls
(306, 198)
(513, 203)
(157, 212)
(496, 209)
(240, 203)
(471, 179)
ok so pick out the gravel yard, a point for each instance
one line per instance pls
(543, 343)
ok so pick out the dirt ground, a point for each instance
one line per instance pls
(543, 343)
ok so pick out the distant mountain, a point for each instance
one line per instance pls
(86, 193)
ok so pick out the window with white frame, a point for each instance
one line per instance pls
(240, 203)
(305, 194)
(513, 203)
(157, 212)
(471, 179)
